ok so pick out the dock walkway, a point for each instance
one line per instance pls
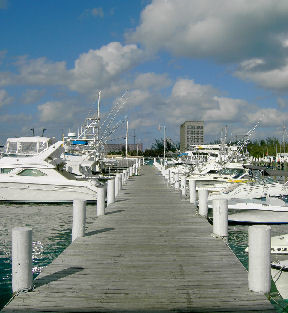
(150, 253)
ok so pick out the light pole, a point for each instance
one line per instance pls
(164, 134)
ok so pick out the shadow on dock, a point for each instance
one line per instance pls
(56, 276)
(114, 212)
(99, 231)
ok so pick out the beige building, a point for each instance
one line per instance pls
(191, 133)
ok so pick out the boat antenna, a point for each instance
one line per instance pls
(98, 105)
(283, 136)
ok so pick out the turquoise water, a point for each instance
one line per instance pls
(51, 226)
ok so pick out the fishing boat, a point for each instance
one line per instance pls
(269, 204)
(258, 217)
(32, 170)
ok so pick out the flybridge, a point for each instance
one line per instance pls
(27, 146)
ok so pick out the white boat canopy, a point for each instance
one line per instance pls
(26, 145)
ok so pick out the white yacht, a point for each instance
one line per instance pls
(254, 190)
(32, 170)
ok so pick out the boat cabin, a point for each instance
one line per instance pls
(27, 146)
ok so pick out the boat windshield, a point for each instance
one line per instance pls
(27, 147)
(234, 172)
(24, 147)
(31, 172)
(212, 172)
(5, 170)
(240, 173)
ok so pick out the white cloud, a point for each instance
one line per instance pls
(137, 97)
(225, 30)
(282, 103)
(58, 111)
(41, 72)
(268, 117)
(94, 70)
(248, 65)
(13, 118)
(188, 92)
(191, 101)
(275, 78)
(32, 95)
(5, 98)
(228, 110)
(152, 80)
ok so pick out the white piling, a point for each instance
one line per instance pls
(111, 191)
(259, 276)
(183, 185)
(101, 201)
(172, 177)
(192, 191)
(117, 182)
(79, 219)
(120, 181)
(22, 278)
(220, 217)
(123, 177)
(176, 178)
(203, 202)
(131, 171)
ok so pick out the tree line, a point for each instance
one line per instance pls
(269, 146)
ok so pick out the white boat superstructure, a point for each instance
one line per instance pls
(251, 190)
(216, 177)
(32, 171)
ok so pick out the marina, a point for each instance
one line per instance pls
(150, 252)
(144, 156)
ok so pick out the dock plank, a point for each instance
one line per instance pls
(150, 253)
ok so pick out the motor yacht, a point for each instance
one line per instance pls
(32, 170)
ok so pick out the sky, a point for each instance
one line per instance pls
(224, 62)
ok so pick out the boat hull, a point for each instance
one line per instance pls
(17, 192)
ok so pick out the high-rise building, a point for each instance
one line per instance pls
(191, 133)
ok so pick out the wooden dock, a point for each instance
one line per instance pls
(150, 253)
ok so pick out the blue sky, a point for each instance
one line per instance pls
(224, 63)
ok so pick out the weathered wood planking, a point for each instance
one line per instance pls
(150, 253)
